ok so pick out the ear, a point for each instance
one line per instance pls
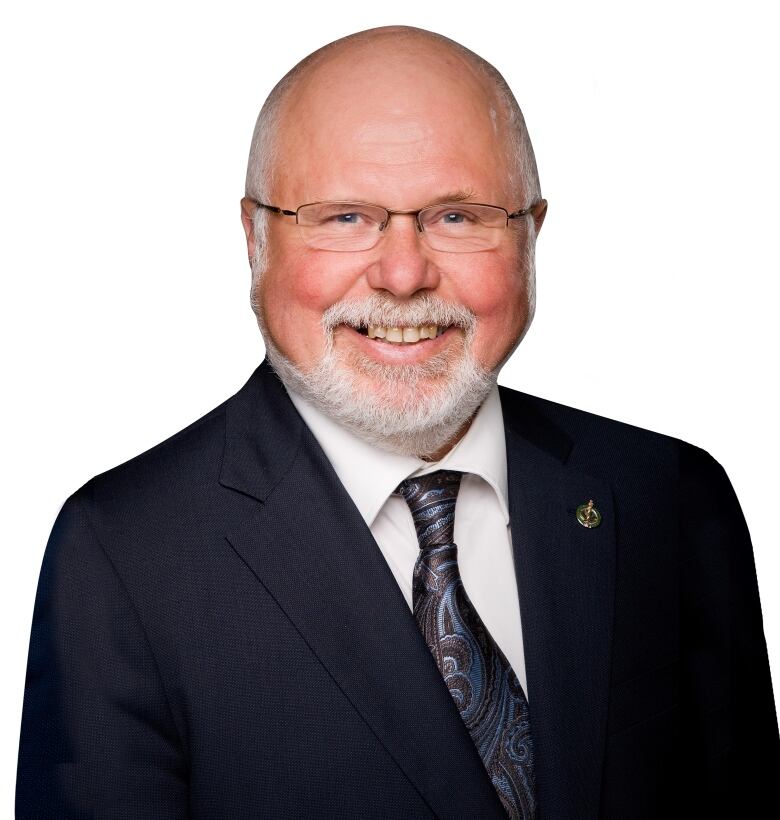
(248, 209)
(539, 213)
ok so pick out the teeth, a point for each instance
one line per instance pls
(404, 335)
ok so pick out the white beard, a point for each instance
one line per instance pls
(414, 409)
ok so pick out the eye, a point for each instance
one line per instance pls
(449, 216)
(342, 216)
(351, 218)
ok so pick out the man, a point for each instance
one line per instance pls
(267, 616)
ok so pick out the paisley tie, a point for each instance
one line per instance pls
(486, 691)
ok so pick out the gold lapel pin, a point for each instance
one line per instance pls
(588, 515)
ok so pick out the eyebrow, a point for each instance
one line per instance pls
(452, 196)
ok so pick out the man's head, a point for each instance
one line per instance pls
(401, 118)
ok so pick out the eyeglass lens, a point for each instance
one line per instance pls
(454, 227)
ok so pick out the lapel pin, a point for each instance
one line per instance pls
(588, 515)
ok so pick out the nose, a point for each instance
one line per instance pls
(403, 265)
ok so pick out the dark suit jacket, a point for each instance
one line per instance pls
(217, 635)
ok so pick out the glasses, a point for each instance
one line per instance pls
(454, 227)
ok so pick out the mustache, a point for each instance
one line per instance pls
(381, 311)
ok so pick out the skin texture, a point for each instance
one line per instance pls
(402, 124)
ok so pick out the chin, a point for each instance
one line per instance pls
(412, 409)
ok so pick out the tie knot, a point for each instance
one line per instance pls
(431, 498)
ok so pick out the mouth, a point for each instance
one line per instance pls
(400, 345)
(402, 335)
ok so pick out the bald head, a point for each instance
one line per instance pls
(398, 72)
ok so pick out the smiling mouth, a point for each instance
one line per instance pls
(401, 335)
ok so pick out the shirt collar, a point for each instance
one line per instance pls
(370, 475)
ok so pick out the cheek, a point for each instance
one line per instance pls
(496, 293)
(297, 287)
(305, 282)
(495, 289)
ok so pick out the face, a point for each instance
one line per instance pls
(365, 128)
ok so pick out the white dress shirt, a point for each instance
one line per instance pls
(482, 533)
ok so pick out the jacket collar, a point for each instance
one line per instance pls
(263, 432)
(262, 435)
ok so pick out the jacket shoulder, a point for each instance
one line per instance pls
(594, 440)
(187, 458)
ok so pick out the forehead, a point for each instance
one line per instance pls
(391, 126)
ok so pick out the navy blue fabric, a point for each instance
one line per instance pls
(217, 635)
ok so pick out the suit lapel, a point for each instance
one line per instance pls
(310, 548)
(565, 578)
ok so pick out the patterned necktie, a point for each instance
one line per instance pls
(486, 691)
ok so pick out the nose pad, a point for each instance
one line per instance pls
(418, 224)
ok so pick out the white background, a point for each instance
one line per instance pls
(125, 311)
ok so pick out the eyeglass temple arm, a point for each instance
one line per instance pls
(534, 209)
(274, 208)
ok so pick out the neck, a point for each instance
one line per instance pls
(439, 454)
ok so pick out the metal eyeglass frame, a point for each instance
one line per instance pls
(533, 209)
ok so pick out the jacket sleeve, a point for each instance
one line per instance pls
(97, 737)
(730, 747)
